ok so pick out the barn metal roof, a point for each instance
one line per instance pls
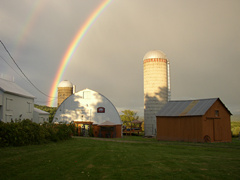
(187, 107)
(13, 88)
(41, 111)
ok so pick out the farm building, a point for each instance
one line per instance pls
(206, 120)
(15, 102)
(40, 116)
(92, 113)
(65, 89)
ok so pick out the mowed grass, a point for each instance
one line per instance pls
(127, 158)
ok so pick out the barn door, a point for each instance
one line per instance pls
(217, 130)
(209, 130)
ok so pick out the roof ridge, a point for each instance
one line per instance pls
(192, 100)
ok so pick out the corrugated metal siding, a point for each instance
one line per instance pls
(186, 108)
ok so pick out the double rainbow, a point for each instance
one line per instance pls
(72, 47)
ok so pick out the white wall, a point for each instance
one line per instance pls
(82, 106)
(40, 118)
(16, 107)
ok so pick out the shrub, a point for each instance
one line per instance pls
(235, 131)
(26, 132)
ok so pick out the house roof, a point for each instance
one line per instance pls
(13, 88)
(39, 111)
(188, 107)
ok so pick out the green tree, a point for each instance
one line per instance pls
(128, 116)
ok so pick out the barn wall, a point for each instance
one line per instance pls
(118, 131)
(217, 127)
(179, 129)
(96, 130)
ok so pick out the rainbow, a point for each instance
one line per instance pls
(72, 47)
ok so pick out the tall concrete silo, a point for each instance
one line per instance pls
(65, 89)
(156, 88)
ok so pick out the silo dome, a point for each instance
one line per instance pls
(155, 54)
(65, 83)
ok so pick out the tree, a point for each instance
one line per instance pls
(128, 116)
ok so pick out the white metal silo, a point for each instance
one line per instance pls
(156, 87)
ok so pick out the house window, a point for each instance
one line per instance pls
(29, 106)
(8, 118)
(216, 113)
(9, 104)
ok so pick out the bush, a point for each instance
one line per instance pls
(235, 131)
(26, 132)
(235, 128)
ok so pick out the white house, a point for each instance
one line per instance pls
(40, 116)
(15, 102)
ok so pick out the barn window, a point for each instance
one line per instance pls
(216, 113)
(100, 110)
(86, 94)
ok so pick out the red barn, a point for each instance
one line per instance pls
(205, 120)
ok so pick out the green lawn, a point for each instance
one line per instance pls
(127, 158)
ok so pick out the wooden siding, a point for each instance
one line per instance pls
(179, 129)
(116, 134)
(211, 127)
(218, 128)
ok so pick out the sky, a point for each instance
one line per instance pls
(201, 40)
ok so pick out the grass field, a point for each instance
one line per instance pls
(126, 158)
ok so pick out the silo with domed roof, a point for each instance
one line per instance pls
(65, 89)
(156, 87)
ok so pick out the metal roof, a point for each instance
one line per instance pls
(39, 111)
(187, 107)
(13, 88)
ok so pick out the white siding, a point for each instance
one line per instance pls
(17, 107)
(82, 106)
(1, 99)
